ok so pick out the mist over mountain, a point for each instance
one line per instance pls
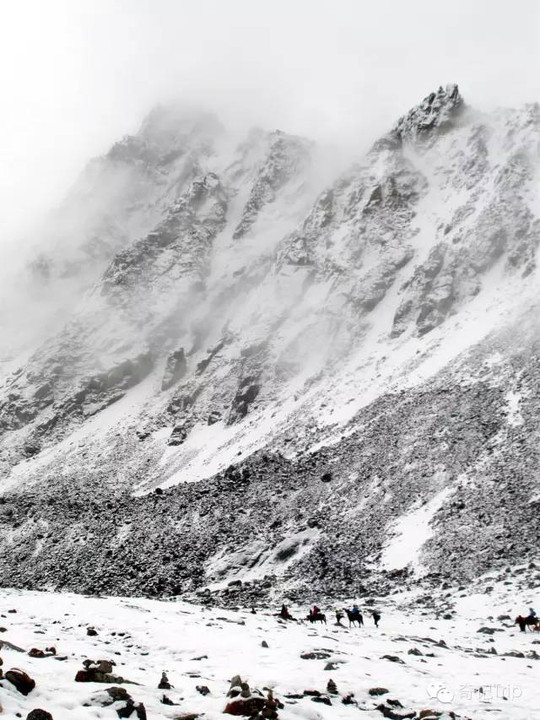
(233, 360)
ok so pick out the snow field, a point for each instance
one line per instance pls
(198, 646)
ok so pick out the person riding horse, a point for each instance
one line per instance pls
(284, 613)
(315, 615)
(354, 615)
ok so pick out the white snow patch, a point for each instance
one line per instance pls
(410, 533)
(513, 413)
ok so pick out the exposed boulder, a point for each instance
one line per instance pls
(99, 671)
(249, 703)
(392, 714)
(178, 435)
(124, 704)
(331, 687)
(21, 680)
(38, 653)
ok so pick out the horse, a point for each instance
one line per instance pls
(354, 617)
(523, 622)
(319, 617)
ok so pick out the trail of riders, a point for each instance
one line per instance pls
(356, 617)
(315, 615)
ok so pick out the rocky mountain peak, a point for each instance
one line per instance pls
(436, 112)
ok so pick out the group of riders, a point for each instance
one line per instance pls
(354, 615)
(315, 614)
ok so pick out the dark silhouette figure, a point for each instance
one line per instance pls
(284, 613)
(376, 617)
(164, 683)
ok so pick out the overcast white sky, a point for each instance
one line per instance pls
(77, 74)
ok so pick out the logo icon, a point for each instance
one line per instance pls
(441, 693)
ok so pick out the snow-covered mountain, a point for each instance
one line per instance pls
(238, 369)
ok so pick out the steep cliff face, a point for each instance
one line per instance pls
(132, 305)
(314, 371)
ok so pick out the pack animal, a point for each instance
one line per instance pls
(528, 621)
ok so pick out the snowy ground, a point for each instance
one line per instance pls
(198, 646)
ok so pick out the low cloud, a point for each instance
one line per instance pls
(76, 76)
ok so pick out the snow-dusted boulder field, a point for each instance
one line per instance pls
(456, 656)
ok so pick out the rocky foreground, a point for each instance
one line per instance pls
(454, 655)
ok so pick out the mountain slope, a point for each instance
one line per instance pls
(321, 375)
